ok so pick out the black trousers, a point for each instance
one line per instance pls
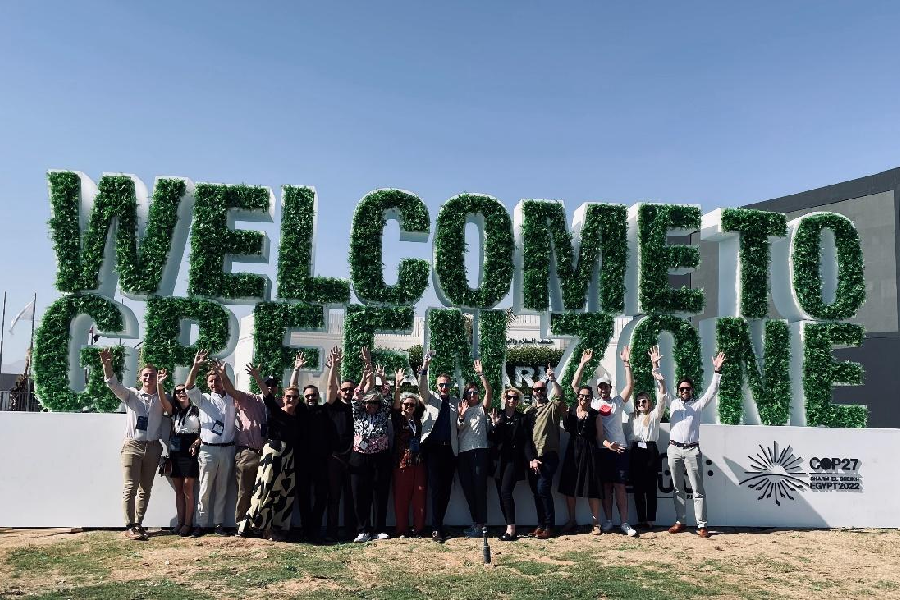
(644, 472)
(312, 495)
(370, 477)
(506, 485)
(441, 464)
(473, 468)
(339, 485)
(541, 485)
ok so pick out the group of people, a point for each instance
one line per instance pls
(367, 436)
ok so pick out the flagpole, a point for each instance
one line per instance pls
(31, 349)
(2, 331)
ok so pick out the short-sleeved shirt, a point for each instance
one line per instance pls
(611, 412)
(217, 416)
(143, 412)
(473, 432)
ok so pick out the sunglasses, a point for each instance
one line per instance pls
(409, 405)
(181, 391)
(310, 395)
(585, 396)
(513, 397)
(443, 385)
(347, 390)
(538, 390)
(291, 397)
(642, 401)
(684, 389)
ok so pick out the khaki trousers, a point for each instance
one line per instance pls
(140, 461)
(246, 463)
(687, 461)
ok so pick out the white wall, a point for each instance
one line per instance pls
(62, 470)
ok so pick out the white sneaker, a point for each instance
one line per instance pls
(362, 538)
(607, 526)
(628, 530)
(382, 536)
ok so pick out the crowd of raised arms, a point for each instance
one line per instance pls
(287, 446)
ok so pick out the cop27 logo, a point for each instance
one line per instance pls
(775, 474)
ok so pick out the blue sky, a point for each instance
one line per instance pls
(708, 103)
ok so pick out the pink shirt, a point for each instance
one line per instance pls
(249, 421)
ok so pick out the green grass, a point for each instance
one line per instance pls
(133, 590)
(74, 560)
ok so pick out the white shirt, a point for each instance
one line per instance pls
(472, 433)
(684, 417)
(645, 428)
(612, 422)
(217, 416)
(143, 412)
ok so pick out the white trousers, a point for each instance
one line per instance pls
(216, 463)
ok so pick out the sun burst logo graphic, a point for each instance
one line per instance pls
(775, 474)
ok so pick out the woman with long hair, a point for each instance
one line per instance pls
(509, 434)
(471, 431)
(580, 476)
(644, 452)
(183, 444)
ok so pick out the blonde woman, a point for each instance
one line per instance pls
(644, 455)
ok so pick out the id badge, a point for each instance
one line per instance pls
(141, 424)
(175, 443)
(642, 445)
(413, 445)
(218, 428)
(362, 445)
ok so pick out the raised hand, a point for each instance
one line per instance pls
(252, 370)
(586, 356)
(399, 376)
(625, 354)
(718, 359)
(336, 355)
(200, 357)
(106, 356)
(379, 372)
(365, 355)
(551, 374)
(161, 376)
(654, 355)
(426, 359)
(299, 361)
(495, 417)
(479, 370)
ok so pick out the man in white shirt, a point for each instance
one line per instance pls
(684, 447)
(615, 461)
(216, 456)
(141, 450)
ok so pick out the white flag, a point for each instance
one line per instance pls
(26, 313)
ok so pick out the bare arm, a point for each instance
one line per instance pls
(488, 390)
(586, 356)
(398, 381)
(334, 370)
(253, 371)
(299, 363)
(661, 397)
(199, 359)
(557, 389)
(219, 367)
(625, 355)
(161, 376)
(367, 381)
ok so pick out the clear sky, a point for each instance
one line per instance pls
(714, 103)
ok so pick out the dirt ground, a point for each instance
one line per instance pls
(767, 562)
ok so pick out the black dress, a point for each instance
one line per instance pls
(580, 476)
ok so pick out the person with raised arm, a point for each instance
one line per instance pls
(337, 407)
(580, 476)
(614, 465)
(250, 412)
(141, 449)
(510, 436)
(542, 422)
(216, 455)
(312, 459)
(184, 442)
(370, 462)
(684, 447)
(439, 443)
(644, 451)
(472, 437)
(409, 470)
(272, 503)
